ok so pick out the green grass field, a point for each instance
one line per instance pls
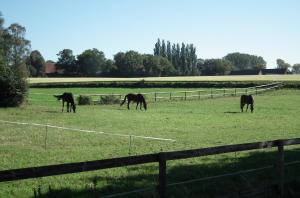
(192, 124)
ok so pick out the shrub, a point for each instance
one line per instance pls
(84, 100)
(13, 87)
(110, 99)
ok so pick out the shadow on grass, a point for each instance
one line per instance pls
(52, 111)
(232, 112)
(231, 186)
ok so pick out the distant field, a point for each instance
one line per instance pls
(172, 79)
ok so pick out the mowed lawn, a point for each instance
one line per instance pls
(191, 124)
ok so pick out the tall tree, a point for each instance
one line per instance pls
(91, 62)
(13, 50)
(182, 59)
(163, 49)
(17, 48)
(67, 62)
(157, 48)
(169, 51)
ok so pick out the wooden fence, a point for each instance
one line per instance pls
(160, 158)
(195, 94)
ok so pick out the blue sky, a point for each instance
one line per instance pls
(268, 28)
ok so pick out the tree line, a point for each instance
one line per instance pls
(167, 60)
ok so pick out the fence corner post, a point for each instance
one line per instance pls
(280, 167)
(162, 179)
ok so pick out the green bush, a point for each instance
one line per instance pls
(13, 87)
(84, 100)
(110, 99)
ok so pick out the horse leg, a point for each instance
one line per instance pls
(63, 104)
(242, 107)
(247, 107)
(128, 104)
(137, 104)
(68, 107)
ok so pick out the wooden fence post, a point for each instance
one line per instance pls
(280, 168)
(185, 95)
(170, 95)
(224, 92)
(235, 91)
(211, 95)
(155, 96)
(255, 90)
(162, 185)
(199, 94)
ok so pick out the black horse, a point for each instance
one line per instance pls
(247, 99)
(138, 98)
(67, 97)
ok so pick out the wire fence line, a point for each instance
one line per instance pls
(194, 94)
(88, 131)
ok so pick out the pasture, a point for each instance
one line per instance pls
(191, 124)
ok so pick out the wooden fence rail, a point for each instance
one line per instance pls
(184, 95)
(161, 158)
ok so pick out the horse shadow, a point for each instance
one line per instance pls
(232, 112)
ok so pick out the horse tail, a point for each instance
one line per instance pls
(124, 100)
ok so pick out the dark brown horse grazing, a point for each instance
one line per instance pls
(138, 98)
(67, 97)
(247, 99)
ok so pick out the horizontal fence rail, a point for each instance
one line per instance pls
(161, 158)
(192, 94)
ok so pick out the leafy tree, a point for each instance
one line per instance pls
(108, 68)
(296, 68)
(166, 67)
(129, 64)
(216, 67)
(91, 62)
(13, 50)
(157, 66)
(36, 63)
(245, 61)
(67, 62)
(282, 64)
(17, 48)
(152, 65)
